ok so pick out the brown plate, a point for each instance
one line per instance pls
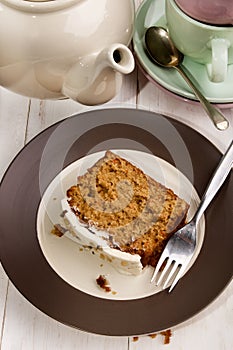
(61, 144)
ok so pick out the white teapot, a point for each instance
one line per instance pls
(54, 49)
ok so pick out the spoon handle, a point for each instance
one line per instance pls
(216, 116)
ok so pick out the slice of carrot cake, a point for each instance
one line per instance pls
(123, 213)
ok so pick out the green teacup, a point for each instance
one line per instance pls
(207, 44)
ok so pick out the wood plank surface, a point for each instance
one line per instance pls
(22, 326)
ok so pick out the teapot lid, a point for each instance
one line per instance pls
(38, 0)
(41, 6)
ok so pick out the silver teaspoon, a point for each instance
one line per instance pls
(163, 52)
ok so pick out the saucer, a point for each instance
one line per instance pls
(152, 12)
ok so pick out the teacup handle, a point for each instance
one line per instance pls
(217, 70)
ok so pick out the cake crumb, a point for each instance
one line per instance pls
(102, 256)
(58, 230)
(167, 336)
(103, 283)
(63, 213)
(153, 336)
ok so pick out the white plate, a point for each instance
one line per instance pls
(79, 267)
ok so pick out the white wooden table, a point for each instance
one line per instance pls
(22, 326)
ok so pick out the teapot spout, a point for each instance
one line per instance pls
(119, 57)
(96, 79)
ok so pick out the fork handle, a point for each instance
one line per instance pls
(216, 181)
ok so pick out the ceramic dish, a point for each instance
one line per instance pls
(152, 12)
(91, 265)
(64, 143)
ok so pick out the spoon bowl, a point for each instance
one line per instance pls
(163, 52)
(161, 49)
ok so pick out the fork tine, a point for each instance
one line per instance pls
(163, 273)
(162, 258)
(176, 280)
(171, 273)
(179, 275)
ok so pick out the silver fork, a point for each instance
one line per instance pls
(181, 246)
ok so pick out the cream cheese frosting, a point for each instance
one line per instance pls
(89, 236)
